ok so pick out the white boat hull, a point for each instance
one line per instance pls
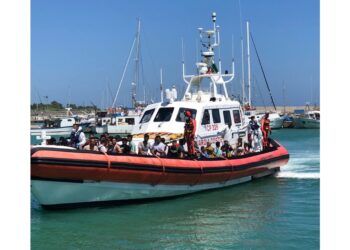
(276, 123)
(58, 193)
(307, 123)
(119, 129)
(101, 129)
(51, 131)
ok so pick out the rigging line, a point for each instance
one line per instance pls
(126, 65)
(261, 96)
(251, 36)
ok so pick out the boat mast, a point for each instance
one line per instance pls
(137, 66)
(248, 59)
(284, 97)
(161, 85)
(242, 49)
(125, 67)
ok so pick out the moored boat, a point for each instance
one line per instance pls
(60, 126)
(311, 119)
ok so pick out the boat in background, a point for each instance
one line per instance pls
(59, 126)
(288, 121)
(310, 119)
(122, 124)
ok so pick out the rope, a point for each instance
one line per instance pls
(108, 160)
(126, 65)
(251, 36)
(163, 167)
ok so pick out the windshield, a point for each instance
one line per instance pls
(164, 115)
(181, 115)
(147, 116)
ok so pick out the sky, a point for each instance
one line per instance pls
(79, 48)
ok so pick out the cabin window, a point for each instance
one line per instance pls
(181, 115)
(147, 116)
(227, 117)
(164, 115)
(130, 121)
(206, 117)
(236, 116)
(216, 115)
(69, 120)
(317, 116)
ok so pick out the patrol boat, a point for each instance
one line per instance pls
(63, 177)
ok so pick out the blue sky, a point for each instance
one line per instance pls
(79, 48)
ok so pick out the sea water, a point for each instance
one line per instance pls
(278, 212)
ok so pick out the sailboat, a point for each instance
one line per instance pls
(276, 121)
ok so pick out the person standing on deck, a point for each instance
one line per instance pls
(254, 135)
(190, 130)
(265, 129)
(77, 138)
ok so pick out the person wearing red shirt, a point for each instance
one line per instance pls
(266, 130)
(190, 130)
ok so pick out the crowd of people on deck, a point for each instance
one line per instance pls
(257, 141)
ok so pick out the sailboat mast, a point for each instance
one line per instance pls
(137, 66)
(242, 48)
(161, 85)
(248, 59)
(284, 97)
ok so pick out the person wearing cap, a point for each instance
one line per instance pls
(266, 130)
(254, 134)
(190, 130)
(210, 150)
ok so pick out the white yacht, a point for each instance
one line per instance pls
(311, 119)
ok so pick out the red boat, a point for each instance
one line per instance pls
(62, 177)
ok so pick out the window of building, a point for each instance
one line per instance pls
(206, 117)
(227, 117)
(236, 116)
(147, 116)
(164, 115)
(181, 115)
(216, 115)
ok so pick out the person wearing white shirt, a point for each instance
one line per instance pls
(158, 148)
